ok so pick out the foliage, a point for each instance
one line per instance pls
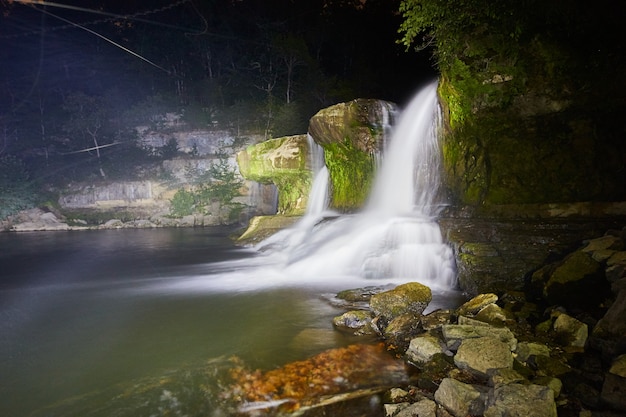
(220, 184)
(183, 203)
(16, 190)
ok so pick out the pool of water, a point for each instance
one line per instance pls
(129, 323)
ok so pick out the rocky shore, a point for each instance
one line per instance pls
(38, 219)
(556, 349)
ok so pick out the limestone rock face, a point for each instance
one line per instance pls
(411, 297)
(351, 134)
(283, 162)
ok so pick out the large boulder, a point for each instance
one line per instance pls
(577, 282)
(285, 163)
(351, 134)
(411, 297)
(461, 399)
(480, 355)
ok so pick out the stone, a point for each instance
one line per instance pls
(461, 399)
(517, 400)
(467, 321)
(603, 243)
(422, 408)
(356, 295)
(401, 330)
(396, 396)
(411, 297)
(618, 367)
(578, 282)
(283, 162)
(435, 319)
(482, 354)
(555, 384)
(358, 322)
(614, 387)
(351, 133)
(526, 350)
(477, 303)
(494, 315)
(423, 348)
(570, 331)
(504, 376)
(454, 334)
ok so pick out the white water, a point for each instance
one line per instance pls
(395, 239)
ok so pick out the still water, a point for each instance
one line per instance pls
(87, 317)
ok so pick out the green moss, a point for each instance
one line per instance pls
(351, 173)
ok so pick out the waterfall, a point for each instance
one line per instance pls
(395, 239)
(318, 198)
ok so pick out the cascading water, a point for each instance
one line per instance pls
(395, 239)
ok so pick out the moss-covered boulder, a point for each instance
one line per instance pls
(411, 297)
(351, 134)
(283, 162)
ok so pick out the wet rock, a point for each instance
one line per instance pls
(577, 282)
(553, 383)
(422, 408)
(454, 334)
(397, 395)
(436, 319)
(36, 220)
(461, 399)
(612, 326)
(357, 322)
(476, 304)
(504, 376)
(481, 354)
(282, 161)
(399, 332)
(614, 387)
(517, 400)
(412, 297)
(422, 349)
(356, 295)
(494, 314)
(570, 331)
(529, 350)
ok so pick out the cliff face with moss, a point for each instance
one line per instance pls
(532, 93)
(285, 163)
(351, 134)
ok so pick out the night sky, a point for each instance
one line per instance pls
(43, 49)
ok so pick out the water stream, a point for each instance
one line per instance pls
(142, 322)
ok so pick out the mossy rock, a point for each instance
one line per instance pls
(285, 163)
(577, 282)
(411, 297)
(351, 134)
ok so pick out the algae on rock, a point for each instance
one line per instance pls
(283, 162)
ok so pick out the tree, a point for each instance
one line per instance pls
(86, 126)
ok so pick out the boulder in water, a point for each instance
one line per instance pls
(411, 297)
